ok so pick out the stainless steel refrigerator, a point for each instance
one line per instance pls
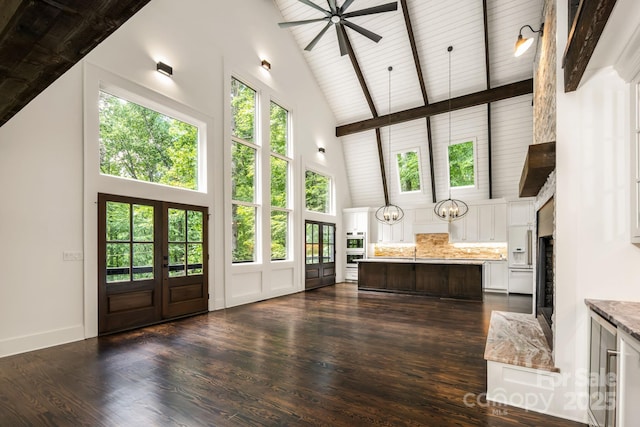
(520, 254)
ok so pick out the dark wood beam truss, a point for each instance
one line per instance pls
(588, 24)
(487, 65)
(372, 107)
(423, 89)
(41, 39)
(510, 90)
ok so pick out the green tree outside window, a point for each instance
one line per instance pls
(461, 165)
(408, 171)
(318, 192)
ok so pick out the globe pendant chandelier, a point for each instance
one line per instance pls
(450, 209)
(389, 213)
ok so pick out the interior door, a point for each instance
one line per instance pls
(151, 262)
(320, 254)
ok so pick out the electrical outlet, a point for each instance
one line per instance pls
(72, 256)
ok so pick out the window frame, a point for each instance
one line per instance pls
(331, 196)
(474, 143)
(288, 209)
(397, 167)
(156, 102)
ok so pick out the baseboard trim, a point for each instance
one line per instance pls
(23, 344)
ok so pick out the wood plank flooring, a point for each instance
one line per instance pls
(329, 357)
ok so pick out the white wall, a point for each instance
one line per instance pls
(594, 257)
(45, 300)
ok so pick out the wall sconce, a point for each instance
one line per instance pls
(321, 150)
(522, 44)
(266, 65)
(165, 69)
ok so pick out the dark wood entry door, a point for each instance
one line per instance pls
(151, 262)
(320, 254)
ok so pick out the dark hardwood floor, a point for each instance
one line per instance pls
(333, 357)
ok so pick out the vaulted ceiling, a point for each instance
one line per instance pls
(366, 97)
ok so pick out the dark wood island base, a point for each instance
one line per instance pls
(442, 279)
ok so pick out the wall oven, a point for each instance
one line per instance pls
(356, 249)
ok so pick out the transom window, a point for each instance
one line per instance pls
(462, 164)
(318, 192)
(143, 144)
(408, 167)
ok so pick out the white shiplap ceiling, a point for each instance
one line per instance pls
(437, 24)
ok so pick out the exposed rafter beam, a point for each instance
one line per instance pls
(511, 90)
(590, 20)
(372, 107)
(423, 89)
(487, 66)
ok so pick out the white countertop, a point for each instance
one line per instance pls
(427, 260)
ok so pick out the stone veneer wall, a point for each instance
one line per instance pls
(544, 84)
(438, 246)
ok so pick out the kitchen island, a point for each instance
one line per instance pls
(444, 278)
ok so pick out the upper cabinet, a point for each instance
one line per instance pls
(482, 224)
(356, 220)
(401, 232)
(522, 212)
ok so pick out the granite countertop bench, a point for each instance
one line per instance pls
(517, 339)
(623, 314)
(427, 260)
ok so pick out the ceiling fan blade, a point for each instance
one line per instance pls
(345, 5)
(294, 23)
(315, 6)
(341, 40)
(317, 38)
(371, 10)
(333, 6)
(373, 36)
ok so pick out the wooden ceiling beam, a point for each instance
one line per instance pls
(487, 66)
(423, 89)
(41, 40)
(372, 107)
(510, 90)
(588, 24)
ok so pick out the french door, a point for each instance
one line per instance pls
(151, 261)
(320, 254)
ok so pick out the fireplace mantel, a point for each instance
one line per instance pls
(540, 162)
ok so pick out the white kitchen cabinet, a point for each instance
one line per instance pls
(628, 392)
(522, 212)
(401, 232)
(492, 223)
(356, 219)
(495, 276)
(465, 229)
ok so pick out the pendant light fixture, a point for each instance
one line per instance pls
(389, 213)
(450, 209)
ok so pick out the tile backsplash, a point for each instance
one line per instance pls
(438, 246)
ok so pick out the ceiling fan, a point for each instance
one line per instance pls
(337, 16)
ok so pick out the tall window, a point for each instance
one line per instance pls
(408, 168)
(318, 192)
(244, 153)
(139, 143)
(462, 164)
(280, 166)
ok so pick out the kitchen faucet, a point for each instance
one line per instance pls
(415, 250)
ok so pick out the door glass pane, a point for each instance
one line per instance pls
(194, 225)
(142, 223)
(279, 231)
(243, 233)
(118, 262)
(194, 254)
(142, 261)
(176, 259)
(118, 222)
(177, 225)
